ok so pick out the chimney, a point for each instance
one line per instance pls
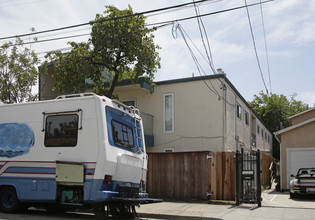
(220, 71)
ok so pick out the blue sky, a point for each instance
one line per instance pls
(289, 30)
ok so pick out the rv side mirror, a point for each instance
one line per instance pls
(292, 175)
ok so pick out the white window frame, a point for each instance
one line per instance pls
(130, 100)
(172, 113)
(246, 117)
(239, 111)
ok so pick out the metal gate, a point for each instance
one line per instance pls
(248, 177)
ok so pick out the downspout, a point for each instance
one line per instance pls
(224, 117)
(235, 125)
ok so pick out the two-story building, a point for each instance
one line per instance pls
(204, 113)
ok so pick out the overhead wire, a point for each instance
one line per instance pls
(266, 49)
(135, 14)
(199, 67)
(24, 3)
(158, 25)
(52, 39)
(208, 14)
(255, 48)
(103, 20)
(201, 31)
(207, 50)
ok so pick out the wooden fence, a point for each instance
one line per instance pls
(192, 175)
(195, 175)
(266, 160)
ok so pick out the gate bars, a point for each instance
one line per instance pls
(248, 177)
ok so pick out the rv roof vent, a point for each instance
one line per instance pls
(76, 95)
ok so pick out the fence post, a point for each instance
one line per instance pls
(237, 179)
(258, 179)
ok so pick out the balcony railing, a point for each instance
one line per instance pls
(147, 120)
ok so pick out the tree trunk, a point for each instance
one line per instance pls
(112, 86)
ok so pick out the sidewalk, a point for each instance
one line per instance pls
(270, 210)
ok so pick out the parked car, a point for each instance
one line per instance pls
(303, 183)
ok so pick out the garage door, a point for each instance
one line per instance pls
(298, 158)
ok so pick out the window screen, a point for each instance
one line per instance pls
(61, 130)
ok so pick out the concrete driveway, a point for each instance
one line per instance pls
(275, 206)
(273, 198)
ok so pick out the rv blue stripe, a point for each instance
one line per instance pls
(30, 170)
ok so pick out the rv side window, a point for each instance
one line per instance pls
(122, 135)
(61, 130)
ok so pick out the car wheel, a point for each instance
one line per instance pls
(8, 200)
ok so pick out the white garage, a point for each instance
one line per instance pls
(299, 158)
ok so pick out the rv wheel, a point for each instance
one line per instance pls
(8, 200)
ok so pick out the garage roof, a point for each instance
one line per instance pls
(278, 133)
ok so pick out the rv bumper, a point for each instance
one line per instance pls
(105, 195)
(142, 198)
(136, 200)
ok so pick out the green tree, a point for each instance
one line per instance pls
(70, 69)
(274, 111)
(120, 46)
(18, 72)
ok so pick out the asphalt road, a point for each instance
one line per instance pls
(43, 214)
(272, 201)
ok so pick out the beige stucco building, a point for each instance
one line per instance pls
(193, 114)
(198, 113)
(297, 149)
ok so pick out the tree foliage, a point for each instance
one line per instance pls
(18, 72)
(274, 111)
(120, 47)
(70, 69)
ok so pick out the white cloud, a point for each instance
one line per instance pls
(290, 22)
(307, 97)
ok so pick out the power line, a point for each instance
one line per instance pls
(199, 68)
(209, 55)
(207, 14)
(254, 44)
(136, 14)
(94, 22)
(25, 3)
(267, 57)
(156, 25)
(52, 39)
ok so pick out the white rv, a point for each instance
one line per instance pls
(78, 150)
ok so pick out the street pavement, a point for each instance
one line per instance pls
(275, 206)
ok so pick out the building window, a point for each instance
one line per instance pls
(130, 103)
(168, 113)
(262, 133)
(246, 118)
(258, 129)
(61, 130)
(239, 111)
